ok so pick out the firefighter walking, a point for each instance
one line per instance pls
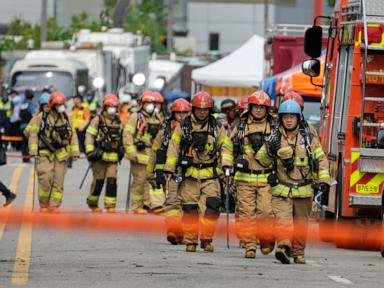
(180, 108)
(254, 206)
(139, 134)
(300, 164)
(104, 149)
(197, 143)
(52, 139)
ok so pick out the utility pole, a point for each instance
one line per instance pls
(265, 17)
(169, 14)
(43, 24)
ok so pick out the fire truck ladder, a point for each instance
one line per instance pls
(371, 157)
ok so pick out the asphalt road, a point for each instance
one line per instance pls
(47, 257)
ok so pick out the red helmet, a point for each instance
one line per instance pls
(56, 98)
(260, 98)
(202, 100)
(149, 96)
(242, 102)
(294, 96)
(159, 97)
(110, 100)
(181, 105)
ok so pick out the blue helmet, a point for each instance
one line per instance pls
(44, 98)
(289, 107)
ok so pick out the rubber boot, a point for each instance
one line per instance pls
(95, 209)
(111, 210)
(207, 245)
(299, 259)
(190, 248)
(282, 254)
(250, 253)
(172, 238)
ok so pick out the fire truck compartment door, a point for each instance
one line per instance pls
(371, 160)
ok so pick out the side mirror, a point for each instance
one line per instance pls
(311, 67)
(313, 41)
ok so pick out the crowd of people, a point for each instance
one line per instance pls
(183, 161)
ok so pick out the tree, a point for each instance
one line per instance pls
(20, 33)
(147, 18)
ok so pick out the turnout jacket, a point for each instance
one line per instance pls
(204, 164)
(55, 130)
(106, 134)
(141, 129)
(252, 131)
(297, 183)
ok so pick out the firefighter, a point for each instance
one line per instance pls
(139, 134)
(180, 108)
(124, 108)
(27, 109)
(52, 139)
(254, 208)
(299, 100)
(104, 149)
(301, 166)
(90, 101)
(80, 117)
(159, 102)
(6, 110)
(242, 104)
(232, 119)
(197, 143)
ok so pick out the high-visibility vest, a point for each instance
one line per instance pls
(6, 108)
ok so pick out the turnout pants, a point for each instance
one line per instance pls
(50, 174)
(103, 170)
(255, 215)
(140, 186)
(200, 199)
(173, 211)
(292, 222)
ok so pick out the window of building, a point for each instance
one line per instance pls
(214, 41)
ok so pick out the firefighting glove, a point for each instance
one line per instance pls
(273, 144)
(286, 156)
(159, 178)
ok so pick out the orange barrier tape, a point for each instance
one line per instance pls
(11, 138)
(343, 234)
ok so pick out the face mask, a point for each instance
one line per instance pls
(133, 102)
(149, 108)
(61, 109)
(111, 110)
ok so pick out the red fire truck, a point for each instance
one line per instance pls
(352, 110)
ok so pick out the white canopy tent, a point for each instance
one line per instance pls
(244, 67)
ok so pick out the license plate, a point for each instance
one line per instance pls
(367, 189)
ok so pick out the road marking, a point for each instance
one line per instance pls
(20, 272)
(13, 187)
(341, 280)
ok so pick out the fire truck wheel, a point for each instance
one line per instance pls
(358, 234)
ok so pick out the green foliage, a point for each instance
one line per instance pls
(148, 19)
(331, 3)
(21, 31)
(81, 21)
